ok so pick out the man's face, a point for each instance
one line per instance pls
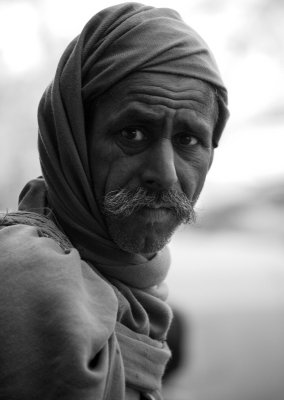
(150, 134)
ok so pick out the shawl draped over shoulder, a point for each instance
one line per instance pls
(88, 319)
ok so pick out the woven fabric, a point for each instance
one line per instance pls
(117, 42)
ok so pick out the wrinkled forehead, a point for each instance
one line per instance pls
(160, 89)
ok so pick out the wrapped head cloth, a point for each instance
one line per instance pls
(115, 43)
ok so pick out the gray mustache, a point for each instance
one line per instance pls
(124, 202)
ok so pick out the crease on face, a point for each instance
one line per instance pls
(162, 107)
(163, 94)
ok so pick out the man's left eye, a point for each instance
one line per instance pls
(185, 139)
(133, 134)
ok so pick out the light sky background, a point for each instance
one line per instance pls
(230, 283)
(251, 150)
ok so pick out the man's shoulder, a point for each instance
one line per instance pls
(23, 248)
(57, 319)
(37, 270)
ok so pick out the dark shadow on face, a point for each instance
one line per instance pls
(151, 131)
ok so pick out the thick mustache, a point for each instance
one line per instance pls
(124, 202)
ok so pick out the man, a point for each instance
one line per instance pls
(127, 132)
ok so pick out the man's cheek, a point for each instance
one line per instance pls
(102, 159)
(192, 180)
(199, 183)
(124, 173)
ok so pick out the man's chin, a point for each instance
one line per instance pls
(141, 236)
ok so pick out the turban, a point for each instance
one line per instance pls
(115, 43)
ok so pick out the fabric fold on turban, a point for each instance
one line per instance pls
(116, 42)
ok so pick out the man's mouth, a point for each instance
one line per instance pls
(158, 205)
(155, 213)
(163, 206)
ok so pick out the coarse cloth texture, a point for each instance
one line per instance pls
(136, 360)
(116, 43)
(60, 338)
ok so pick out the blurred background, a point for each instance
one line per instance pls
(227, 274)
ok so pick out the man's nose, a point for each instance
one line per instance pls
(159, 171)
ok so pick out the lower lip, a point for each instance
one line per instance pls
(155, 214)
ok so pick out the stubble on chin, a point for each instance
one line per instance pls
(136, 238)
(142, 222)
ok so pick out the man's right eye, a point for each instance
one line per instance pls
(133, 135)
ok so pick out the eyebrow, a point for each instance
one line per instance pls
(135, 110)
(141, 113)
